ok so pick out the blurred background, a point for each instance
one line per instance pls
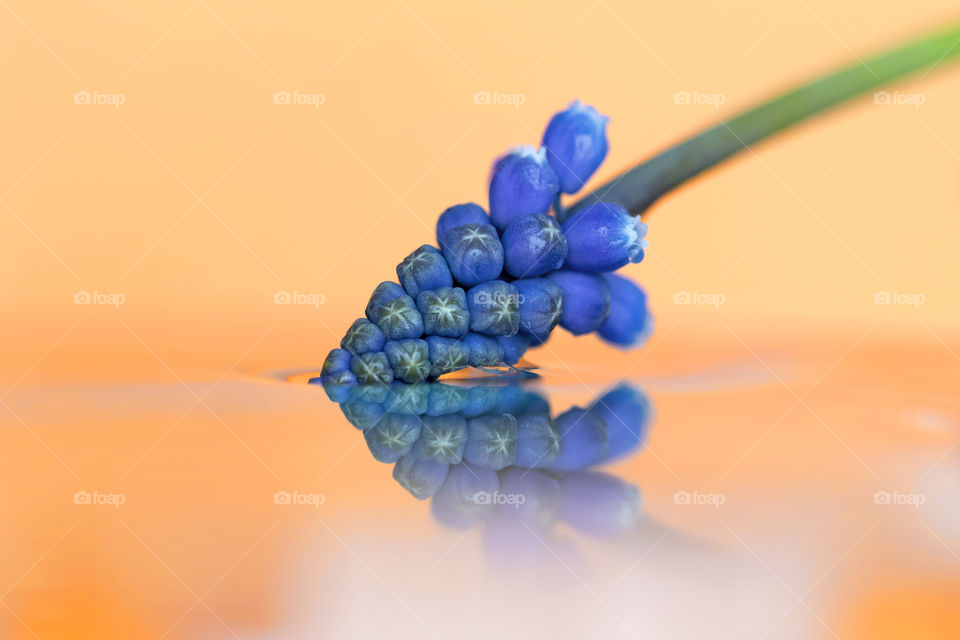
(173, 172)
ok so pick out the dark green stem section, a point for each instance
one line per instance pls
(641, 186)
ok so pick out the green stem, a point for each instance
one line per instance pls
(639, 187)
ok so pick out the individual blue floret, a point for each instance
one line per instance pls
(629, 323)
(363, 337)
(407, 399)
(583, 440)
(372, 368)
(513, 398)
(513, 347)
(447, 355)
(424, 269)
(422, 478)
(576, 143)
(442, 438)
(481, 400)
(538, 440)
(586, 300)
(523, 182)
(398, 318)
(409, 359)
(444, 312)
(533, 245)
(362, 414)
(336, 375)
(474, 253)
(528, 497)
(494, 308)
(626, 413)
(603, 237)
(445, 398)
(465, 497)
(384, 293)
(457, 216)
(370, 392)
(599, 504)
(484, 350)
(393, 437)
(492, 441)
(541, 305)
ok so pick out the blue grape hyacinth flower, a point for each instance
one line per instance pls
(445, 312)
(523, 182)
(442, 438)
(474, 253)
(541, 305)
(424, 269)
(485, 351)
(576, 144)
(603, 237)
(586, 300)
(422, 478)
(363, 337)
(492, 441)
(447, 355)
(629, 323)
(393, 437)
(457, 216)
(494, 308)
(533, 245)
(372, 368)
(409, 359)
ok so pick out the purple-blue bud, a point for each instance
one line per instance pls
(603, 237)
(494, 308)
(586, 300)
(409, 359)
(484, 350)
(629, 323)
(408, 399)
(474, 253)
(446, 355)
(398, 317)
(583, 440)
(513, 347)
(576, 143)
(422, 478)
(424, 269)
(599, 504)
(533, 245)
(363, 337)
(442, 438)
(444, 312)
(446, 398)
(393, 437)
(372, 368)
(336, 375)
(538, 441)
(523, 182)
(457, 216)
(384, 293)
(626, 413)
(541, 305)
(491, 441)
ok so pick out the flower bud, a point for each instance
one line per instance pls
(446, 355)
(513, 347)
(586, 300)
(362, 414)
(422, 478)
(384, 293)
(457, 216)
(538, 441)
(484, 350)
(523, 182)
(446, 398)
(629, 323)
(474, 253)
(494, 308)
(363, 337)
(424, 269)
(398, 317)
(541, 305)
(583, 440)
(336, 375)
(442, 438)
(393, 437)
(372, 368)
(409, 359)
(626, 413)
(408, 399)
(491, 441)
(576, 143)
(533, 245)
(444, 312)
(603, 237)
